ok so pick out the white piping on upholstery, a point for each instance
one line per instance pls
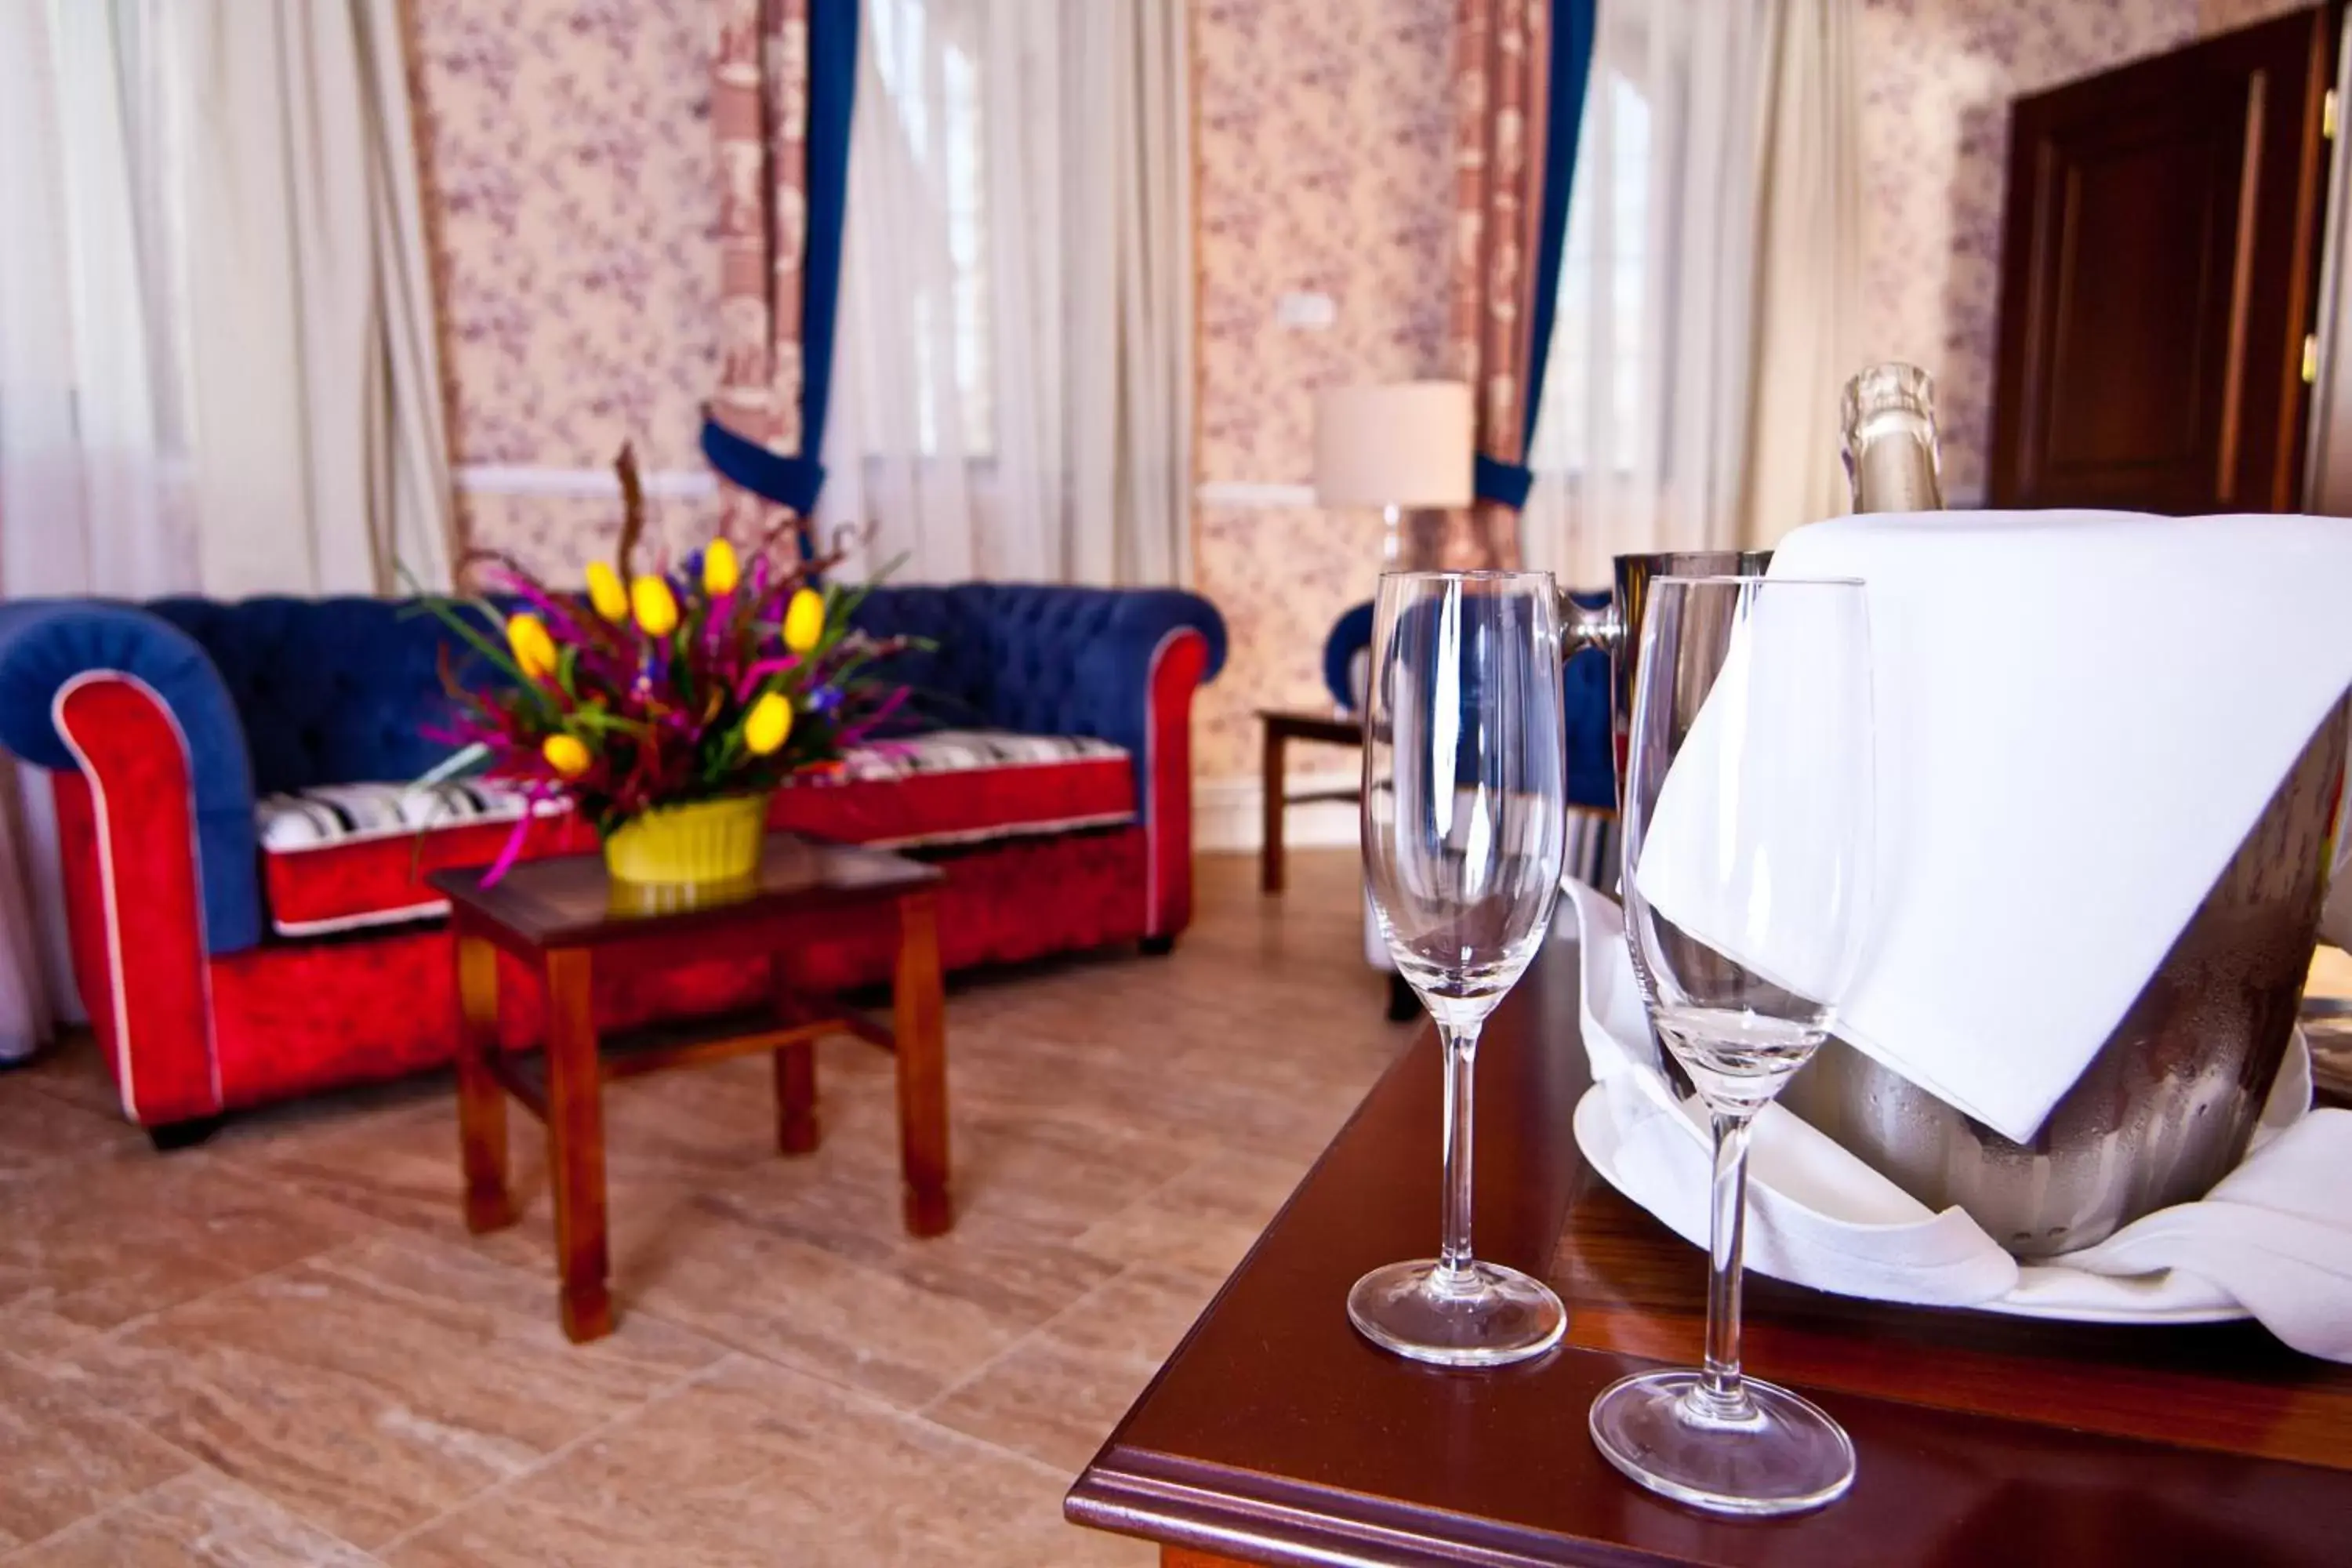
(116, 972)
(330, 924)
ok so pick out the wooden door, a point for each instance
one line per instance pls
(2157, 274)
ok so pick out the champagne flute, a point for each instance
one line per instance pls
(1749, 822)
(1464, 822)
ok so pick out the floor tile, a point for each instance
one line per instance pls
(370, 1388)
(757, 1464)
(62, 1457)
(295, 1310)
(1207, 1219)
(38, 1130)
(860, 1304)
(70, 1070)
(1057, 1394)
(137, 1234)
(201, 1519)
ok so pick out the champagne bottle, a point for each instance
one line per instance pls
(1892, 458)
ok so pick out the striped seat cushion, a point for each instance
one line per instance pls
(348, 813)
(967, 751)
(346, 857)
(963, 786)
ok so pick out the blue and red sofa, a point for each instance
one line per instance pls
(245, 903)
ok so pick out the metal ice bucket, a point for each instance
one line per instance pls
(2170, 1102)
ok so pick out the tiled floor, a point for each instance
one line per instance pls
(283, 1348)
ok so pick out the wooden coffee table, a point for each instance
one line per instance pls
(566, 915)
(1275, 1433)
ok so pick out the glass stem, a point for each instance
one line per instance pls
(1720, 1392)
(1461, 1046)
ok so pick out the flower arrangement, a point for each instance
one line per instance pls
(714, 680)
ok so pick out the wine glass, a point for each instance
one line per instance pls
(1464, 827)
(1748, 828)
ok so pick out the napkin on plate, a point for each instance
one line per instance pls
(2273, 1238)
(2078, 717)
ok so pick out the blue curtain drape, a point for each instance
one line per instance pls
(1573, 26)
(794, 481)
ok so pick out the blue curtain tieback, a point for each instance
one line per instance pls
(787, 481)
(1507, 484)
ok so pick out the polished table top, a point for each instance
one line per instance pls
(1274, 1434)
(569, 901)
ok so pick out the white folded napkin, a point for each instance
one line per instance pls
(2078, 717)
(2273, 1239)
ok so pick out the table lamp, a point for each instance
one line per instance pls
(1407, 445)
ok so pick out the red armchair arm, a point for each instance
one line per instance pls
(126, 826)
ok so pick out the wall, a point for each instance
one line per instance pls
(1324, 137)
(2221, 15)
(568, 146)
(1291, 92)
(567, 152)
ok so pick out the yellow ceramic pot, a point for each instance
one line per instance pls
(683, 846)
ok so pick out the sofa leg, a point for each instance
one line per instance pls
(175, 1135)
(1157, 946)
(1403, 1006)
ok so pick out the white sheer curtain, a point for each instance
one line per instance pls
(223, 370)
(1690, 400)
(1809, 234)
(1011, 373)
(218, 364)
(320, 450)
(93, 440)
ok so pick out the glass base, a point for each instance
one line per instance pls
(1784, 1455)
(1485, 1315)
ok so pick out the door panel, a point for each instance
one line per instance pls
(2156, 269)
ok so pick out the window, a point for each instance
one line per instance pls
(929, 67)
(1589, 414)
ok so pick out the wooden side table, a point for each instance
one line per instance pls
(1283, 726)
(1275, 1433)
(564, 916)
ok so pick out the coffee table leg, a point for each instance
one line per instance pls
(1269, 861)
(482, 1103)
(920, 1024)
(796, 1125)
(575, 1146)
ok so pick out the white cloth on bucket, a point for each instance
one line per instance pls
(2273, 1238)
(2078, 717)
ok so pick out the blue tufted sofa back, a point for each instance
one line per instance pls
(330, 690)
(337, 690)
(1041, 659)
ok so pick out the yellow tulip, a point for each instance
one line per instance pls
(567, 754)
(719, 571)
(770, 720)
(534, 650)
(805, 620)
(604, 592)
(656, 606)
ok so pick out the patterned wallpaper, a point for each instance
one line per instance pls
(569, 150)
(2221, 15)
(1324, 146)
(567, 146)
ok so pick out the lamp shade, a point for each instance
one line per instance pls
(1407, 445)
